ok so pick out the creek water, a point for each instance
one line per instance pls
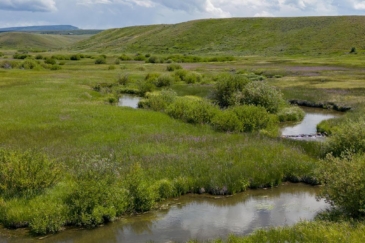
(129, 101)
(313, 116)
(200, 217)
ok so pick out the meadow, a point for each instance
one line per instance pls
(70, 156)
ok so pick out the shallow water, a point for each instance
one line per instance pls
(308, 125)
(129, 101)
(201, 217)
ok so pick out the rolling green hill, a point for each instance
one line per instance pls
(242, 36)
(29, 41)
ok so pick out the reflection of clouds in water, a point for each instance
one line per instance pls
(204, 217)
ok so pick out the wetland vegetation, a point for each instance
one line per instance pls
(208, 123)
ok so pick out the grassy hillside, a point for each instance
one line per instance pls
(28, 41)
(246, 36)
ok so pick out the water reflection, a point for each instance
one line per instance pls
(308, 126)
(203, 217)
(129, 101)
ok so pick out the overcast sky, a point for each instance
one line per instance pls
(104, 14)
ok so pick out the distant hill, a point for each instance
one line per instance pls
(31, 41)
(40, 28)
(237, 36)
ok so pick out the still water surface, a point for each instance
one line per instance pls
(313, 116)
(201, 217)
(129, 101)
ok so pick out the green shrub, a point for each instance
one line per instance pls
(164, 188)
(164, 80)
(62, 63)
(111, 67)
(29, 64)
(56, 67)
(139, 57)
(123, 79)
(226, 121)
(146, 86)
(180, 74)
(38, 57)
(100, 60)
(192, 110)
(293, 113)
(75, 57)
(152, 77)
(158, 101)
(252, 118)
(349, 136)
(21, 55)
(141, 196)
(192, 78)
(227, 86)
(172, 67)
(34, 172)
(50, 61)
(124, 57)
(344, 183)
(96, 195)
(261, 94)
(153, 59)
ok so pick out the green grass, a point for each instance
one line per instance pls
(33, 41)
(237, 36)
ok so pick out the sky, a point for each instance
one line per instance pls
(105, 14)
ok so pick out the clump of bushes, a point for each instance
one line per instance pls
(348, 136)
(172, 67)
(139, 57)
(124, 57)
(192, 110)
(164, 80)
(50, 61)
(158, 101)
(34, 172)
(18, 55)
(75, 57)
(100, 60)
(293, 113)
(193, 77)
(226, 87)
(344, 180)
(260, 94)
(246, 118)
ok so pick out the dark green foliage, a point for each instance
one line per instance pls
(34, 172)
(353, 50)
(38, 57)
(172, 67)
(192, 110)
(344, 180)
(153, 59)
(139, 57)
(55, 67)
(50, 61)
(349, 136)
(293, 113)
(75, 57)
(164, 80)
(100, 60)
(141, 196)
(260, 94)
(97, 195)
(227, 86)
(21, 55)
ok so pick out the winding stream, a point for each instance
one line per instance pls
(201, 217)
(307, 128)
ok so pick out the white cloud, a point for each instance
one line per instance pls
(264, 14)
(28, 5)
